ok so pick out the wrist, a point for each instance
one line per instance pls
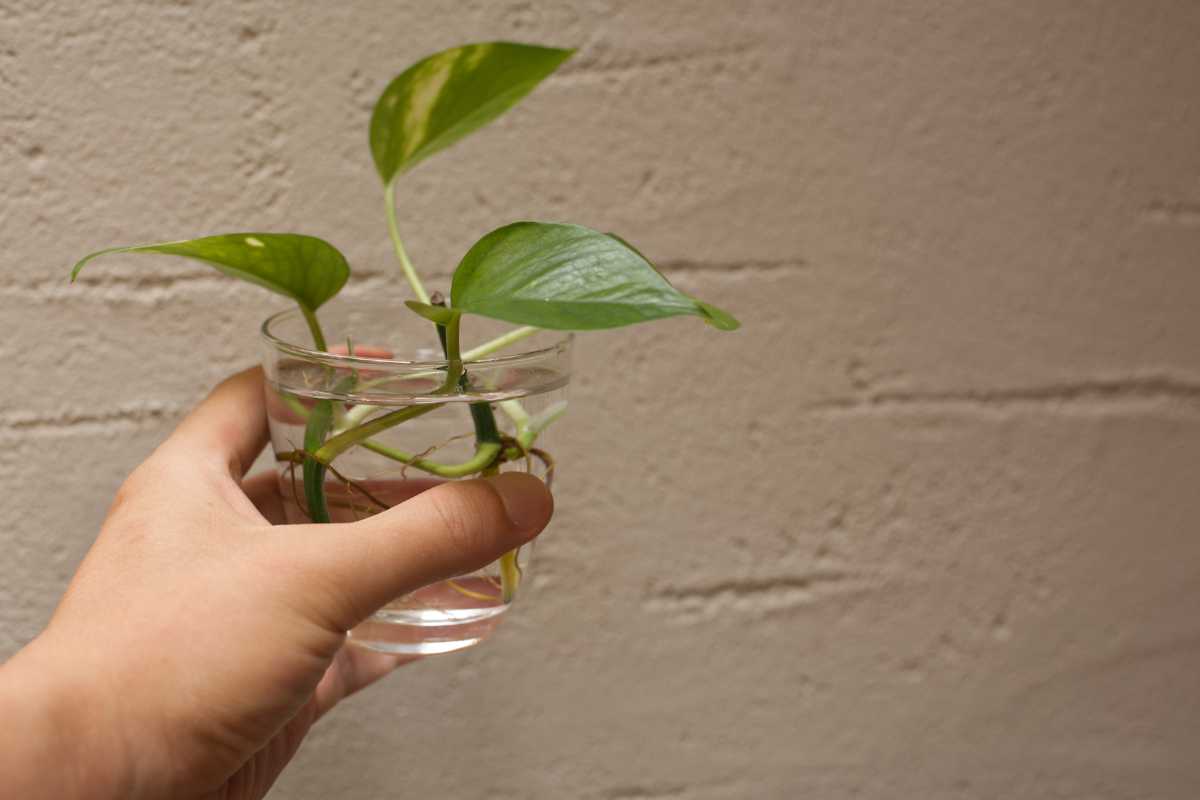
(54, 742)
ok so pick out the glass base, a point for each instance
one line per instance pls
(442, 618)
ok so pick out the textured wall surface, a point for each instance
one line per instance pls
(925, 527)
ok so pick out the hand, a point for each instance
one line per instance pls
(198, 642)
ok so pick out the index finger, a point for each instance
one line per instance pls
(229, 426)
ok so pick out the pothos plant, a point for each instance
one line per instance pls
(538, 275)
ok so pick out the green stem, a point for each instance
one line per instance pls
(339, 444)
(516, 412)
(389, 198)
(314, 326)
(543, 421)
(448, 333)
(315, 430)
(318, 425)
(485, 454)
(486, 435)
(486, 431)
(499, 343)
(510, 573)
(510, 576)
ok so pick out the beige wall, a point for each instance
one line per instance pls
(926, 527)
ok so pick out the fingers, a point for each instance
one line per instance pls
(354, 668)
(351, 570)
(229, 426)
(263, 491)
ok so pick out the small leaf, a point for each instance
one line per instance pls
(438, 314)
(442, 98)
(721, 320)
(567, 277)
(307, 269)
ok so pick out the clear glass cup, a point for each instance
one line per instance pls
(382, 358)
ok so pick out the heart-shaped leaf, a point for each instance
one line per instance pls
(568, 277)
(307, 269)
(442, 98)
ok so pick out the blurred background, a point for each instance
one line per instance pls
(924, 527)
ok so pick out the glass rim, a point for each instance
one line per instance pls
(334, 359)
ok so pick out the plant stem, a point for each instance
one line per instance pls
(314, 326)
(454, 362)
(486, 434)
(500, 342)
(534, 427)
(458, 587)
(510, 576)
(389, 197)
(513, 407)
(485, 454)
(314, 471)
(510, 573)
(339, 444)
(516, 412)
(315, 430)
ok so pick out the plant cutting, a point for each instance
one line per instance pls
(394, 401)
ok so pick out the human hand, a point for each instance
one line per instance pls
(200, 639)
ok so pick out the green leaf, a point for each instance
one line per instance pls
(568, 277)
(442, 98)
(307, 269)
(438, 314)
(721, 320)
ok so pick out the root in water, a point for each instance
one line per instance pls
(426, 453)
(547, 461)
(356, 486)
(458, 587)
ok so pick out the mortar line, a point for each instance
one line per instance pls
(1096, 393)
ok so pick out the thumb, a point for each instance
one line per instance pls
(351, 570)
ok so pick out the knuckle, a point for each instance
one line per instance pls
(132, 489)
(333, 598)
(151, 479)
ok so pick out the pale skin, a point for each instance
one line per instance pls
(201, 638)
